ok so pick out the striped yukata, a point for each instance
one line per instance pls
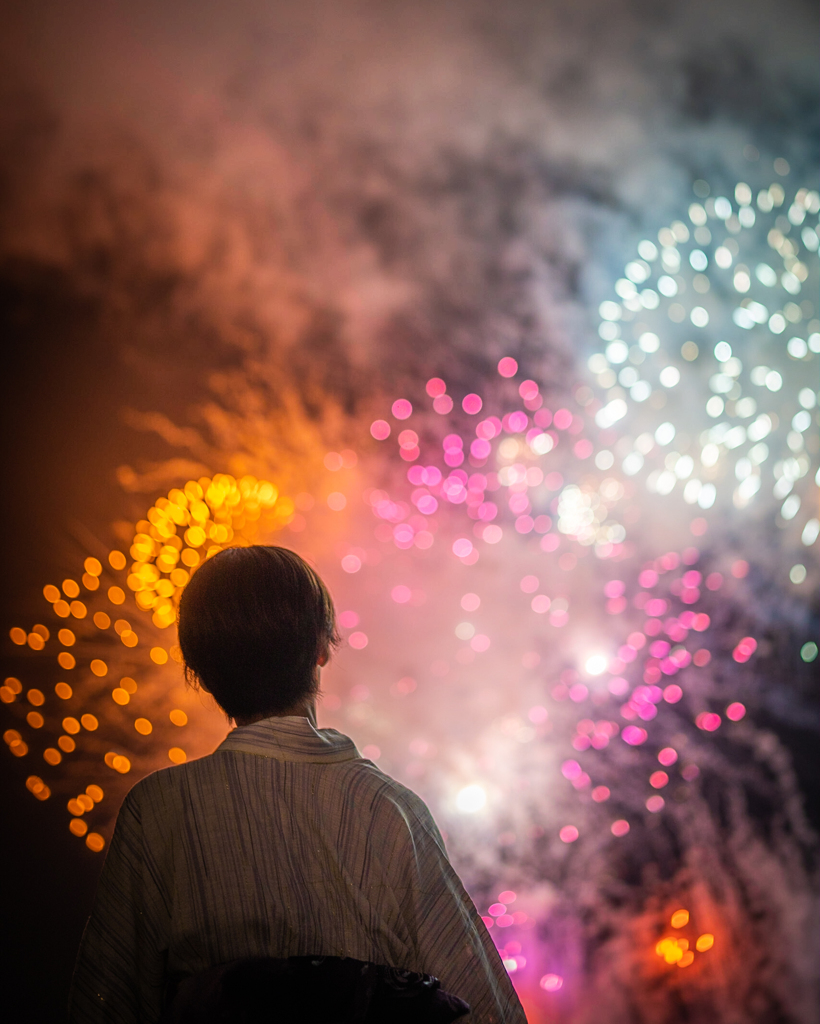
(283, 842)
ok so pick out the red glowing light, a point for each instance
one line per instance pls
(401, 409)
(600, 794)
(634, 735)
(657, 780)
(551, 982)
(708, 721)
(667, 756)
(735, 711)
(745, 649)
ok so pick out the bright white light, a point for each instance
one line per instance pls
(633, 463)
(541, 444)
(609, 310)
(810, 532)
(765, 274)
(707, 495)
(669, 376)
(649, 342)
(698, 260)
(774, 382)
(596, 665)
(723, 351)
(640, 391)
(617, 351)
(611, 413)
(665, 433)
(647, 250)
(471, 799)
(807, 398)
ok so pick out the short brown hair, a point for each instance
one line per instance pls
(253, 622)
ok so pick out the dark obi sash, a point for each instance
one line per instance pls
(311, 990)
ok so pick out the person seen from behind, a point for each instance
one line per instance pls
(282, 868)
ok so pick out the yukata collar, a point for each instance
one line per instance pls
(291, 739)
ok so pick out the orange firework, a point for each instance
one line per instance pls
(178, 534)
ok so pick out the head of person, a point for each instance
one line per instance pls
(254, 625)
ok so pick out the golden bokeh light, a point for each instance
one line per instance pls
(680, 919)
(116, 559)
(118, 762)
(36, 786)
(178, 534)
(704, 942)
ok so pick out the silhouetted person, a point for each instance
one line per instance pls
(283, 843)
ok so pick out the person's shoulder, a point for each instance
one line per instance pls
(388, 791)
(166, 780)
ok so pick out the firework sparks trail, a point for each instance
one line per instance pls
(584, 708)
